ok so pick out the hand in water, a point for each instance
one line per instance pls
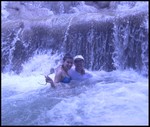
(49, 80)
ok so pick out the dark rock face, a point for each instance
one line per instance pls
(99, 4)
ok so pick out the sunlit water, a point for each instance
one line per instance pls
(108, 98)
(119, 97)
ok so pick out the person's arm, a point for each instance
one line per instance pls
(88, 74)
(58, 76)
(49, 80)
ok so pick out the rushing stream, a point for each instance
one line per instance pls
(113, 39)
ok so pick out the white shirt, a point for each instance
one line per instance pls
(77, 76)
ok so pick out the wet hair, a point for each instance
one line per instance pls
(67, 56)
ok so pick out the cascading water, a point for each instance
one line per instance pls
(130, 37)
(71, 32)
(112, 37)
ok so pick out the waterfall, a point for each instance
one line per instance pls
(130, 41)
(113, 39)
(106, 39)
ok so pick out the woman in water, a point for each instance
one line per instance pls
(61, 74)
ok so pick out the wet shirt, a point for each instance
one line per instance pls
(77, 76)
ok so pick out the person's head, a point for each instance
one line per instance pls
(67, 61)
(79, 62)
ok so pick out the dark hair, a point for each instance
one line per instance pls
(67, 56)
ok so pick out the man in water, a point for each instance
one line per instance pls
(78, 72)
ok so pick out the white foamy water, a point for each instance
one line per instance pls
(119, 97)
(4, 13)
(108, 98)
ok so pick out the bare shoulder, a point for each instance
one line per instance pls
(59, 70)
(58, 75)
